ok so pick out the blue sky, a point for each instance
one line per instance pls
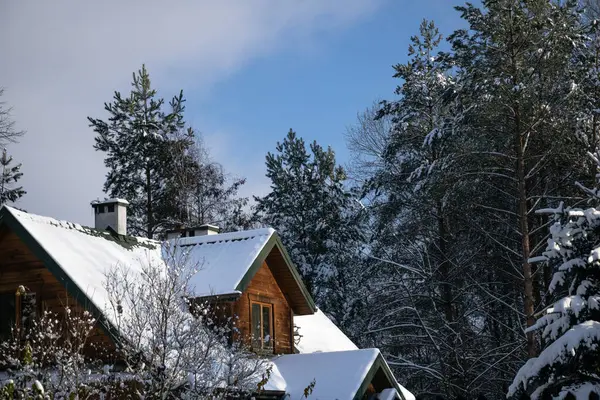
(250, 71)
(315, 90)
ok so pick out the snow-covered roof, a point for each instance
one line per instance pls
(223, 260)
(228, 261)
(83, 255)
(319, 333)
(336, 374)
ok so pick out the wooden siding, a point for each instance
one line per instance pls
(19, 266)
(264, 288)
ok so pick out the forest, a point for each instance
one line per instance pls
(460, 238)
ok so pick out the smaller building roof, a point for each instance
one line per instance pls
(336, 374)
(318, 333)
(227, 262)
(223, 260)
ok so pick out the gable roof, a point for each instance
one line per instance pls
(227, 263)
(337, 374)
(318, 334)
(78, 256)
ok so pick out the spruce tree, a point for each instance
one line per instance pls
(568, 365)
(138, 138)
(309, 207)
(10, 175)
(424, 250)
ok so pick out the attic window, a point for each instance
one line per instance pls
(111, 208)
(101, 209)
(262, 326)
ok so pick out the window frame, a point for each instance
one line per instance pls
(271, 344)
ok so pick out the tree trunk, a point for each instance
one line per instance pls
(444, 267)
(525, 239)
(149, 218)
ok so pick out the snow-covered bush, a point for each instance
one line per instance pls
(49, 357)
(171, 342)
(568, 367)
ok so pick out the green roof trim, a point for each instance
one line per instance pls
(9, 220)
(377, 364)
(275, 241)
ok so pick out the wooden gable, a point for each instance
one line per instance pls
(285, 274)
(263, 288)
(20, 266)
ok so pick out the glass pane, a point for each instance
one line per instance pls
(266, 320)
(255, 329)
(7, 314)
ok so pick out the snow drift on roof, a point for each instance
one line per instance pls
(337, 374)
(85, 254)
(319, 333)
(223, 259)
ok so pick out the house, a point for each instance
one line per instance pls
(248, 274)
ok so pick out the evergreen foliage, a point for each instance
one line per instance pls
(315, 216)
(480, 137)
(568, 364)
(10, 175)
(137, 139)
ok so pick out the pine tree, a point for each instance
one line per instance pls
(137, 139)
(568, 365)
(517, 84)
(422, 280)
(308, 206)
(10, 175)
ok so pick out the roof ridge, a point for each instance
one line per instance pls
(124, 240)
(222, 237)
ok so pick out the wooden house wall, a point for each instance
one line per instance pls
(264, 288)
(19, 266)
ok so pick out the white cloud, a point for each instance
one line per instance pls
(62, 59)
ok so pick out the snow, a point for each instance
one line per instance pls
(222, 259)
(407, 395)
(86, 255)
(337, 375)
(319, 333)
(388, 394)
(584, 334)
